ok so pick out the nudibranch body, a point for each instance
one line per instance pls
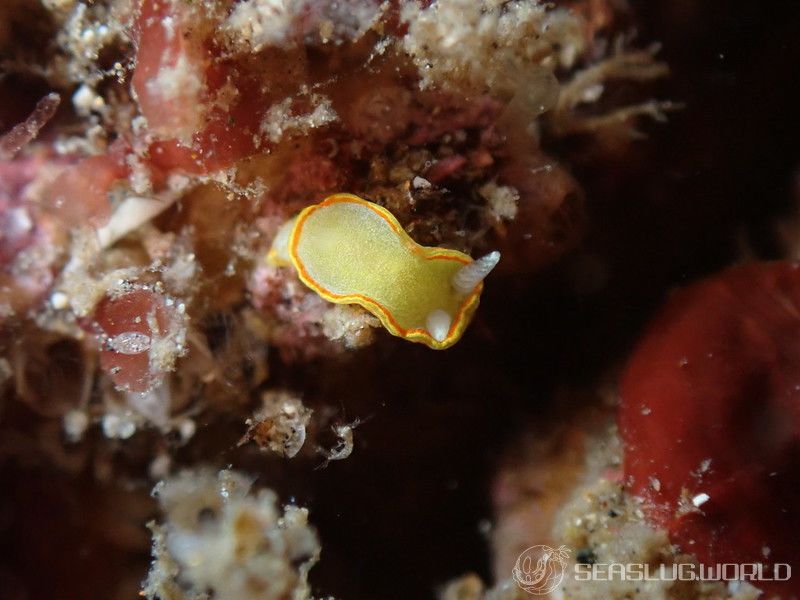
(351, 251)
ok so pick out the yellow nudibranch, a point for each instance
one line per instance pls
(350, 251)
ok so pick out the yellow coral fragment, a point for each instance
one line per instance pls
(351, 251)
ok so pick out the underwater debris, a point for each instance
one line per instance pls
(588, 85)
(352, 325)
(32, 243)
(480, 45)
(80, 195)
(20, 135)
(470, 587)
(143, 333)
(131, 214)
(503, 200)
(255, 24)
(221, 537)
(279, 425)
(280, 120)
(86, 31)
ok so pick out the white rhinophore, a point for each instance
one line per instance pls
(469, 276)
(438, 324)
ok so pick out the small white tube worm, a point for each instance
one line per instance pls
(132, 213)
(21, 135)
(469, 276)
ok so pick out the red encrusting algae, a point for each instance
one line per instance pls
(710, 410)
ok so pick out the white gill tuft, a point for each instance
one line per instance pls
(438, 324)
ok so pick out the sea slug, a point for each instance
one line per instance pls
(351, 251)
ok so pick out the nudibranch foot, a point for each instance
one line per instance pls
(351, 251)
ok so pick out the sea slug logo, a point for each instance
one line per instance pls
(540, 569)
